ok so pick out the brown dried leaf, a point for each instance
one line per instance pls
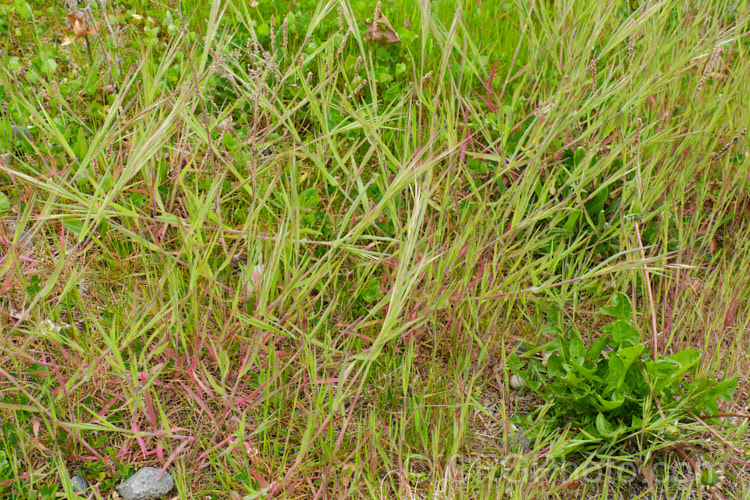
(346, 474)
(684, 447)
(573, 484)
(380, 30)
(79, 26)
(647, 473)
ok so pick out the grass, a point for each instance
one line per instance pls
(294, 267)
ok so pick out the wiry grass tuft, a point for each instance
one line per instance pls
(280, 260)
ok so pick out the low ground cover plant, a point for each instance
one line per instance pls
(614, 390)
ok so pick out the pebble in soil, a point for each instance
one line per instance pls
(78, 484)
(146, 484)
(7, 233)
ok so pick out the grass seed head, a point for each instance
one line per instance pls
(638, 129)
(285, 34)
(343, 43)
(358, 89)
(664, 121)
(376, 16)
(631, 47)
(594, 88)
(712, 61)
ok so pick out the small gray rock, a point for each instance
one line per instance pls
(24, 239)
(146, 484)
(520, 348)
(516, 382)
(78, 484)
(18, 131)
(519, 437)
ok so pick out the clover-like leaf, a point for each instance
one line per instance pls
(622, 333)
(615, 401)
(605, 427)
(618, 306)
(4, 204)
(309, 198)
(595, 349)
(709, 392)
(667, 372)
(372, 292)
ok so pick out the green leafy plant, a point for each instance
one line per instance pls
(608, 389)
(6, 471)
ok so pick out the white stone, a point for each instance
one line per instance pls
(516, 382)
(146, 484)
